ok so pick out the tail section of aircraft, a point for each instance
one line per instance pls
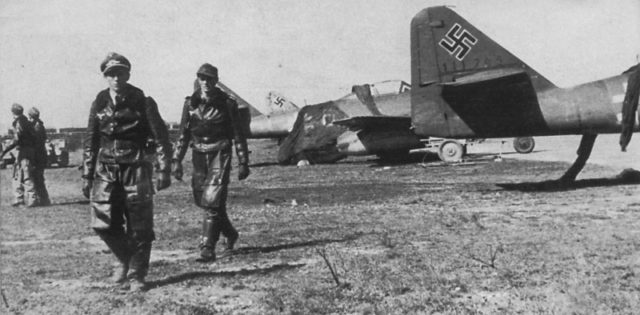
(241, 102)
(445, 46)
(276, 122)
(277, 103)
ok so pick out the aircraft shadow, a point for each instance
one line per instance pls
(75, 202)
(556, 185)
(412, 158)
(264, 164)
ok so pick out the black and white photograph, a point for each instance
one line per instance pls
(319, 157)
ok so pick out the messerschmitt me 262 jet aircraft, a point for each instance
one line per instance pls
(374, 119)
(310, 133)
(464, 85)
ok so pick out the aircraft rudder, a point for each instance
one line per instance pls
(277, 103)
(446, 46)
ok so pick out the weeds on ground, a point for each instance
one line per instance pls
(368, 283)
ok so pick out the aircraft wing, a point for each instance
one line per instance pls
(375, 122)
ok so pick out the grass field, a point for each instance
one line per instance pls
(356, 237)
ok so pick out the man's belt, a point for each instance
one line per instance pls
(210, 139)
(218, 145)
(122, 145)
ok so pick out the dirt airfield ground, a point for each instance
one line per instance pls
(357, 237)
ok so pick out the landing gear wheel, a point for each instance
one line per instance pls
(451, 151)
(524, 144)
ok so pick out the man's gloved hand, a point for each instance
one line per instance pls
(243, 171)
(86, 187)
(176, 169)
(163, 180)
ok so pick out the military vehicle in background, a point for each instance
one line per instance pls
(57, 153)
(8, 158)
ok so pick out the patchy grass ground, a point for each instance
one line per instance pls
(351, 238)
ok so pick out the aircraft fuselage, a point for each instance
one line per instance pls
(477, 112)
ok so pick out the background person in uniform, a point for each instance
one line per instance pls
(210, 120)
(117, 173)
(40, 157)
(24, 141)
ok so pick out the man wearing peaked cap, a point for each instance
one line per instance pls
(40, 157)
(210, 123)
(117, 173)
(114, 61)
(24, 141)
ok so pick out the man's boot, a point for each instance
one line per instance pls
(45, 200)
(41, 188)
(229, 232)
(139, 265)
(210, 235)
(119, 245)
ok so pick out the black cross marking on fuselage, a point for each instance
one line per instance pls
(458, 43)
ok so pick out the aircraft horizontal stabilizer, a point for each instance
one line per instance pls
(486, 76)
(495, 104)
(375, 122)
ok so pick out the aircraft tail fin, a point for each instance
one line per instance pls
(277, 103)
(241, 102)
(445, 46)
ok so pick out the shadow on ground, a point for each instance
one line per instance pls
(246, 251)
(328, 194)
(269, 249)
(627, 177)
(223, 273)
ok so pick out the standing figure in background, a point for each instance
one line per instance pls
(40, 159)
(24, 141)
(117, 172)
(210, 120)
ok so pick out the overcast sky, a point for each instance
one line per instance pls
(310, 51)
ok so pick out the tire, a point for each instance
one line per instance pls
(451, 151)
(524, 144)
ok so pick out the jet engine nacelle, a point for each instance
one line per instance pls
(377, 142)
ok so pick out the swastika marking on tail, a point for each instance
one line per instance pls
(458, 42)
